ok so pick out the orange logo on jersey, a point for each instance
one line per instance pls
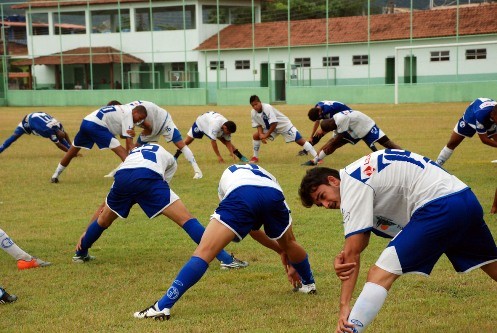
(368, 171)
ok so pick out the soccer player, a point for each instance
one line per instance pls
(250, 198)
(399, 194)
(144, 178)
(351, 127)
(40, 124)
(24, 259)
(480, 117)
(162, 124)
(270, 123)
(5, 297)
(100, 127)
(322, 110)
(216, 127)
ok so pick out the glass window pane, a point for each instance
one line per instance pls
(171, 18)
(142, 19)
(38, 24)
(103, 21)
(69, 23)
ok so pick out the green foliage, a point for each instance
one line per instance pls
(137, 258)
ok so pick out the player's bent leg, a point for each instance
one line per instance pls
(121, 152)
(387, 143)
(491, 270)
(299, 260)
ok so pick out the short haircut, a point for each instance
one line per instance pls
(313, 114)
(312, 180)
(140, 109)
(230, 126)
(254, 98)
(114, 102)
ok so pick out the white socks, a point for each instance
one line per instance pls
(367, 306)
(11, 248)
(309, 148)
(256, 144)
(58, 171)
(190, 158)
(444, 155)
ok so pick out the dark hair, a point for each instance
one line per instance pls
(313, 114)
(230, 126)
(140, 109)
(114, 102)
(328, 125)
(312, 180)
(254, 98)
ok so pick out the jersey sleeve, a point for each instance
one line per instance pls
(342, 121)
(356, 206)
(253, 115)
(127, 123)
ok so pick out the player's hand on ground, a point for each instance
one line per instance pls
(343, 324)
(343, 270)
(78, 246)
(293, 277)
(493, 210)
(220, 159)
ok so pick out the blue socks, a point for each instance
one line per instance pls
(93, 232)
(195, 230)
(191, 272)
(304, 270)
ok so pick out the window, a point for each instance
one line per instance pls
(227, 15)
(178, 66)
(476, 54)
(104, 21)
(302, 62)
(242, 64)
(213, 65)
(331, 61)
(439, 56)
(360, 59)
(38, 24)
(69, 23)
(165, 18)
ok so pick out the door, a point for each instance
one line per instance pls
(410, 75)
(279, 82)
(390, 70)
(264, 75)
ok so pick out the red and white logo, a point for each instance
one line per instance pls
(368, 171)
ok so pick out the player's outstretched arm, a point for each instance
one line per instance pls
(216, 151)
(488, 141)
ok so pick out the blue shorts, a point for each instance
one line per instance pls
(373, 135)
(90, 134)
(464, 128)
(251, 207)
(196, 132)
(452, 225)
(142, 186)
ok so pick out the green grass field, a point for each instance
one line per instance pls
(137, 258)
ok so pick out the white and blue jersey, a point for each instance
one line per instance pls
(161, 122)
(357, 126)
(40, 124)
(330, 108)
(250, 198)
(476, 118)
(209, 124)
(143, 178)
(101, 126)
(397, 193)
(269, 115)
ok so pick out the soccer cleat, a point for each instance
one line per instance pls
(153, 312)
(6, 297)
(33, 263)
(309, 163)
(303, 152)
(235, 264)
(244, 159)
(82, 259)
(306, 289)
(197, 175)
(254, 160)
(54, 180)
(494, 161)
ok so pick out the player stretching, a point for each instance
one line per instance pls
(40, 124)
(271, 123)
(480, 117)
(100, 127)
(216, 127)
(250, 198)
(399, 194)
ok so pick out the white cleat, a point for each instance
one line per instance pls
(153, 312)
(494, 161)
(306, 288)
(197, 175)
